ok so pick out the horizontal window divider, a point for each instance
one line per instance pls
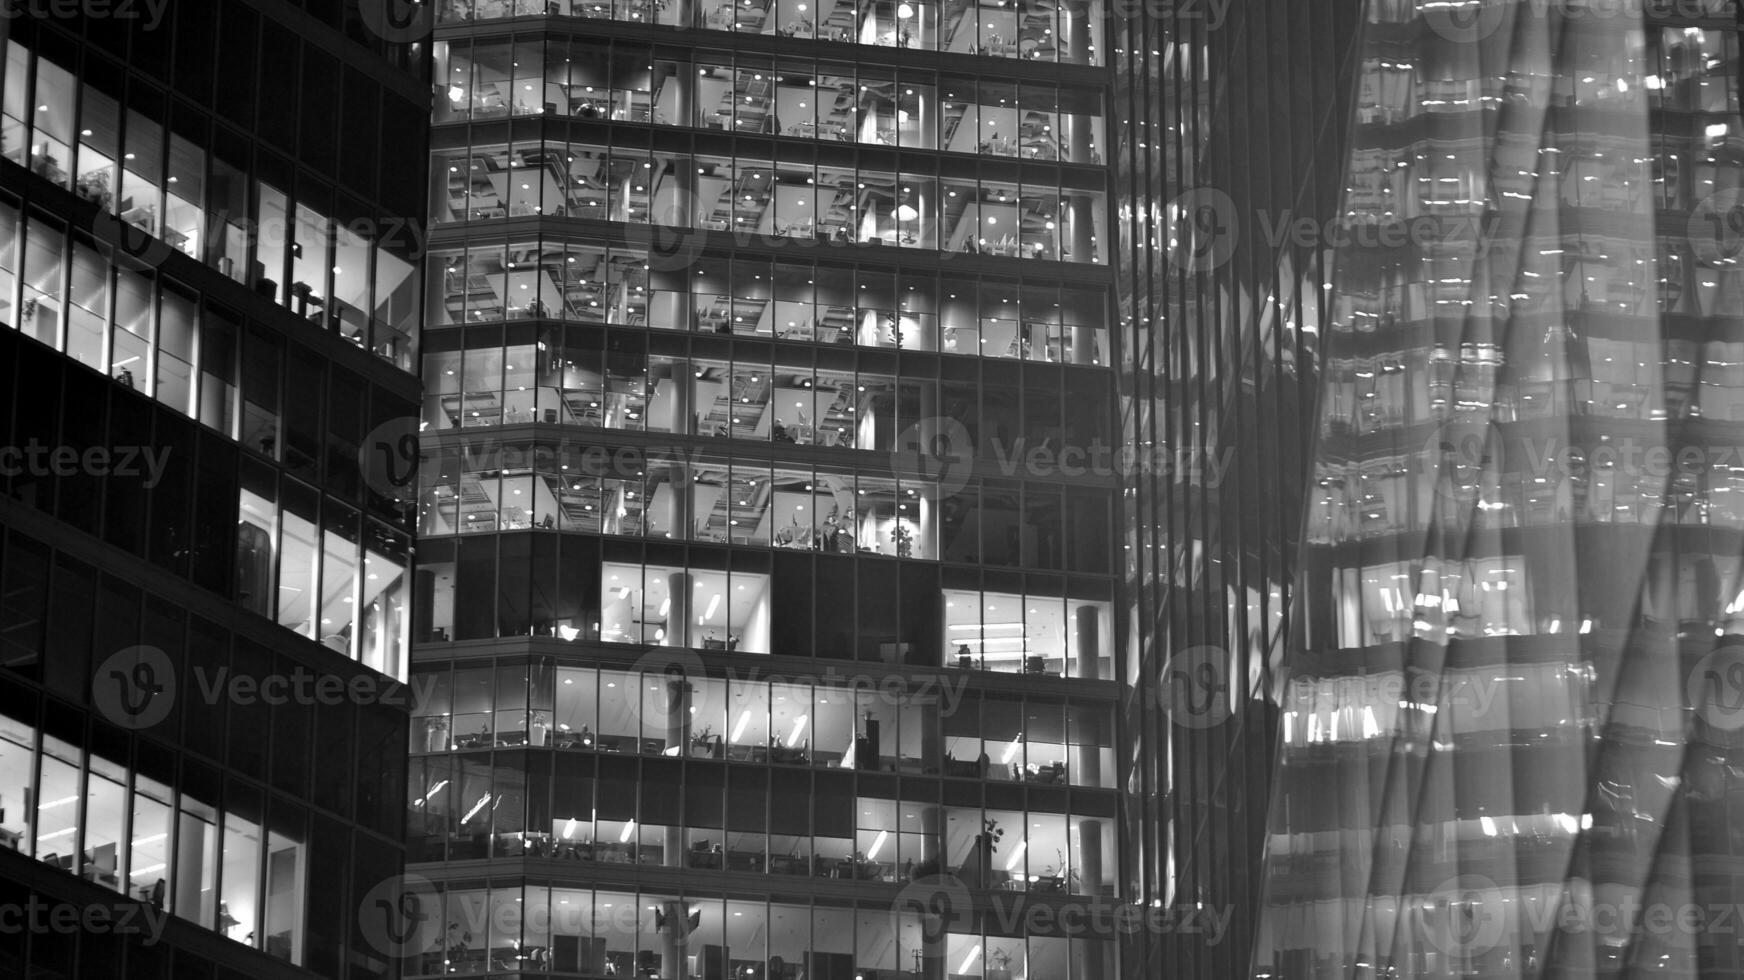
(461, 134)
(751, 666)
(989, 67)
(723, 243)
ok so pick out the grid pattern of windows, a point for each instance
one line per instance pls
(230, 811)
(252, 526)
(746, 358)
(581, 932)
(914, 728)
(1066, 33)
(158, 192)
(810, 300)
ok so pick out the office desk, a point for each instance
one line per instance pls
(706, 860)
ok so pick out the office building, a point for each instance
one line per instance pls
(764, 574)
(209, 309)
(1509, 740)
(1233, 136)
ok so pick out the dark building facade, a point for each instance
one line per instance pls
(766, 582)
(210, 268)
(1234, 126)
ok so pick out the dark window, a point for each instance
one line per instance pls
(358, 121)
(23, 605)
(195, 28)
(277, 68)
(303, 414)
(170, 528)
(318, 103)
(238, 59)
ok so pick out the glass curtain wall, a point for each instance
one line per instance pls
(1509, 741)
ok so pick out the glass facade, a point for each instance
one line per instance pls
(1065, 34)
(207, 311)
(1508, 737)
(1233, 125)
(782, 361)
(820, 298)
(356, 276)
(230, 813)
(107, 259)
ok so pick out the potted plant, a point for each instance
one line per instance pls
(1058, 878)
(704, 743)
(986, 845)
(903, 538)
